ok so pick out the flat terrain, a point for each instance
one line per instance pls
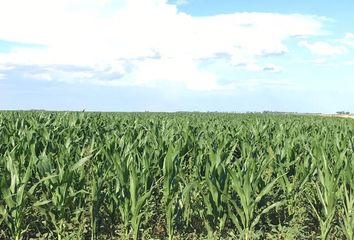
(175, 175)
(347, 116)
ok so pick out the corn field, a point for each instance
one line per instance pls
(175, 176)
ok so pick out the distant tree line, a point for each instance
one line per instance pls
(343, 113)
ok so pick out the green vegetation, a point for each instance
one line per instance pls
(175, 176)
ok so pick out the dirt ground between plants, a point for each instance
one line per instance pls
(344, 116)
(351, 116)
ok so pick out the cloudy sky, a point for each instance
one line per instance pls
(181, 55)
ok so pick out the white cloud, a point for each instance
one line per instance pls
(349, 63)
(5, 68)
(253, 67)
(319, 61)
(60, 74)
(349, 35)
(323, 48)
(45, 76)
(182, 2)
(101, 33)
(255, 84)
(348, 39)
(271, 68)
(156, 72)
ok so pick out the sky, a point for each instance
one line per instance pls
(180, 55)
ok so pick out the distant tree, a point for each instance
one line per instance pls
(343, 113)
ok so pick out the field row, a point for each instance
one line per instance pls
(182, 176)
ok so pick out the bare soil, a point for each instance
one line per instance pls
(344, 116)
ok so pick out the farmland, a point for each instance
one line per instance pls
(175, 176)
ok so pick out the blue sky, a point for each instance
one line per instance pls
(181, 55)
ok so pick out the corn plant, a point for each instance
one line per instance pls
(69, 175)
(14, 184)
(327, 191)
(347, 197)
(250, 187)
(170, 186)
